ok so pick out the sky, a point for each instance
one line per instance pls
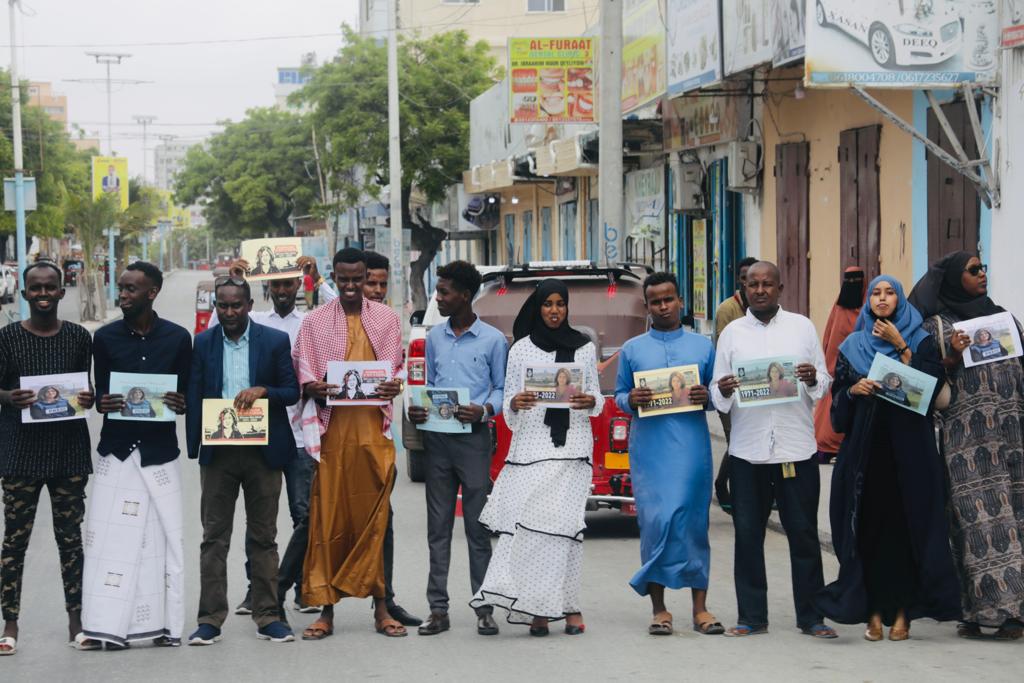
(187, 84)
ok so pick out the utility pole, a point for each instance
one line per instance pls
(398, 259)
(108, 58)
(610, 210)
(19, 172)
(144, 120)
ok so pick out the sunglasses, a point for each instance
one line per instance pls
(975, 269)
(226, 280)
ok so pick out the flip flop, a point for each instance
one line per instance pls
(318, 630)
(8, 646)
(84, 644)
(661, 624)
(742, 631)
(391, 628)
(707, 624)
(820, 631)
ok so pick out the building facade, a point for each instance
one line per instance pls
(40, 94)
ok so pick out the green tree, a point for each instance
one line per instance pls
(252, 176)
(87, 219)
(438, 77)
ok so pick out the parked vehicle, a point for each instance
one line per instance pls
(8, 284)
(72, 269)
(205, 299)
(606, 304)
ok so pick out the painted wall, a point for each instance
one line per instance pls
(1006, 256)
(819, 118)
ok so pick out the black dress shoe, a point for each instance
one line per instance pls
(436, 623)
(485, 625)
(399, 614)
(539, 631)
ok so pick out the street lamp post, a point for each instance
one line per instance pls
(19, 173)
(397, 284)
(144, 120)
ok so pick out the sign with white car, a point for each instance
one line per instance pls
(901, 43)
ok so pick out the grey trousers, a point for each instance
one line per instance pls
(455, 460)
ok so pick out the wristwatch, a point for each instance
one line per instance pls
(487, 414)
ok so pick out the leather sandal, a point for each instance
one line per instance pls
(318, 630)
(873, 632)
(391, 628)
(661, 624)
(707, 624)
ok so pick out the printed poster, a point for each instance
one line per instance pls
(554, 383)
(56, 397)
(671, 387)
(645, 205)
(902, 384)
(225, 425)
(693, 51)
(993, 338)
(110, 177)
(748, 34)
(441, 404)
(1013, 23)
(766, 381)
(699, 231)
(143, 396)
(790, 18)
(552, 80)
(643, 52)
(901, 43)
(272, 258)
(357, 382)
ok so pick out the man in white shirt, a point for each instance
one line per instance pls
(771, 452)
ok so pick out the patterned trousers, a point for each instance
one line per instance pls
(21, 498)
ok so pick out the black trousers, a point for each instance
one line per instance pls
(753, 488)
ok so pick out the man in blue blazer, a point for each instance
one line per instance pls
(242, 361)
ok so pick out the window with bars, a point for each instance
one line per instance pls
(545, 5)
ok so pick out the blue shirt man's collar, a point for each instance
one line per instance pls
(473, 329)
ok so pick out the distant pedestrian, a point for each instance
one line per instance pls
(51, 455)
(772, 454)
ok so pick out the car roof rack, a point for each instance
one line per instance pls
(535, 269)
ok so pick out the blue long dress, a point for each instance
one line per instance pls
(670, 464)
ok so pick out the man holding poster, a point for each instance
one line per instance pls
(349, 500)
(50, 454)
(771, 450)
(138, 463)
(672, 486)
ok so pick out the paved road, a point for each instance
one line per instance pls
(615, 646)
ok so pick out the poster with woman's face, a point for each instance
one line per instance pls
(272, 258)
(56, 397)
(357, 382)
(554, 383)
(993, 338)
(671, 388)
(766, 381)
(226, 425)
(143, 396)
(901, 384)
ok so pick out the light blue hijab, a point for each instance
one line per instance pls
(861, 346)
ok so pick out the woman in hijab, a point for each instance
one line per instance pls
(538, 501)
(887, 509)
(983, 448)
(839, 326)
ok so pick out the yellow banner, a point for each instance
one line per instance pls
(552, 80)
(643, 52)
(169, 212)
(110, 176)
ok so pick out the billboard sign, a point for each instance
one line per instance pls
(748, 34)
(698, 121)
(645, 204)
(790, 18)
(643, 53)
(694, 52)
(552, 80)
(110, 177)
(901, 43)
(1013, 23)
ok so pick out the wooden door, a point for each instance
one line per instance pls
(791, 224)
(953, 204)
(859, 206)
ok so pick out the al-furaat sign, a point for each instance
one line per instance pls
(901, 43)
(551, 80)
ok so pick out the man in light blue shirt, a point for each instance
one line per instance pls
(236, 365)
(467, 353)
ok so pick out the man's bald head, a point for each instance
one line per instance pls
(763, 289)
(766, 266)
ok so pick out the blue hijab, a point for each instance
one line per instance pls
(860, 347)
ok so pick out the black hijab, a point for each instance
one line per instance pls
(563, 340)
(941, 289)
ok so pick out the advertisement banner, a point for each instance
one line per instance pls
(694, 52)
(643, 52)
(552, 80)
(179, 217)
(695, 121)
(110, 176)
(901, 43)
(645, 205)
(748, 34)
(1013, 23)
(699, 230)
(790, 18)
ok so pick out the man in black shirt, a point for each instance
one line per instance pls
(50, 455)
(134, 559)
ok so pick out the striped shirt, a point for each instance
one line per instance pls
(42, 451)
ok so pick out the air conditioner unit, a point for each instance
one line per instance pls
(744, 166)
(688, 193)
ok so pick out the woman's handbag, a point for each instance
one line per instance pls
(945, 394)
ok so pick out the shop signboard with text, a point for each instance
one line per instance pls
(552, 80)
(902, 43)
(699, 230)
(695, 121)
(645, 205)
(790, 17)
(1013, 23)
(748, 34)
(694, 48)
(643, 52)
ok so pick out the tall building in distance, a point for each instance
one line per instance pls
(169, 158)
(291, 79)
(40, 94)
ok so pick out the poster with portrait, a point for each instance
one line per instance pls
(226, 425)
(901, 384)
(554, 383)
(56, 397)
(272, 258)
(357, 382)
(699, 305)
(766, 381)
(143, 396)
(441, 404)
(671, 387)
(110, 178)
(993, 338)
(693, 51)
(789, 36)
(748, 34)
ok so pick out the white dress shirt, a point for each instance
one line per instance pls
(774, 433)
(289, 325)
